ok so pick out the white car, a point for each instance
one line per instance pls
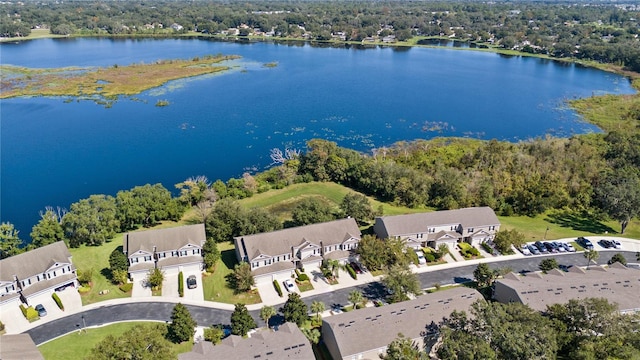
(421, 258)
(288, 285)
(616, 244)
(569, 247)
(524, 249)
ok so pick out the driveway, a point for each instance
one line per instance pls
(12, 318)
(139, 288)
(196, 294)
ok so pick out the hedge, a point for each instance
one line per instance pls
(29, 313)
(276, 284)
(351, 272)
(126, 287)
(467, 250)
(487, 248)
(56, 298)
(429, 257)
(181, 284)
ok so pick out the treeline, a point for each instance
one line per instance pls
(598, 31)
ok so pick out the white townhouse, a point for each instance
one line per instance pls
(42, 270)
(472, 225)
(280, 252)
(171, 249)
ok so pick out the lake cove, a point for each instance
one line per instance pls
(56, 151)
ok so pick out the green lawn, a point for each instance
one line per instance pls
(566, 225)
(78, 346)
(215, 285)
(281, 201)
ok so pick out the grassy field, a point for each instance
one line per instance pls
(215, 285)
(280, 202)
(78, 346)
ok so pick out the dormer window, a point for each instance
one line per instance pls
(470, 230)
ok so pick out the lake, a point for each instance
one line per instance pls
(56, 151)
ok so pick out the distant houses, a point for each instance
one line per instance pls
(171, 250)
(616, 283)
(42, 271)
(278, 253)
(472, 225)
(287, 342)
(366, 333)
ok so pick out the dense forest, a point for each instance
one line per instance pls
(604, 32)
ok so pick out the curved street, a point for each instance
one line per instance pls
(206, 316)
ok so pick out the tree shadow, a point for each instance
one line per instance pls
(229, 258)
(461, 280)
(580, 222)
(106, 272)
(374, 290)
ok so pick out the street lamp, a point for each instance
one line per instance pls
(545, 234)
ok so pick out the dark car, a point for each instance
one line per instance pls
(534, 250)
(606, 244)
(41, 310)
(550, 247)
(191, 282)
(585, 243)
(355, 267)
(543, 249)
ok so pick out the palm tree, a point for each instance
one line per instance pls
(591, 255)
(317, 307)
(356, 298)
(335, 266)
(266, 313)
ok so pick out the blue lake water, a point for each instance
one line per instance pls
(55, 152)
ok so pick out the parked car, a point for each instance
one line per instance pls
(355, 267)
(616, 244)
(569, 247)
(192, 283)
(606, 244)
(534, 250)
(550, 246)
(288, 285)
(41, 310)
(559, 246)
(524, 249)
(543, 249)
(585, 243)
(421, 259)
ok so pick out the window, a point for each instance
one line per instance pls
(470, 230)
(38, 277)
(183, 253)
(63, 270)
(147, 258)
(492, 228)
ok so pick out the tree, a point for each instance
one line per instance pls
(145, 205)
(377, 254)
(118, 260)
(266, 313)
(619, 196)
(141, 342)
(548, 264)
(295, 310)
(591, 255)
(461, 345)
(155, 277)
(47, 231)
(91, 221)
(505, 238)
(313, 335)
(214, 334)
(241, 321)
(484, 275)
(241, 278)
(211, 254)
(618, 257)
(182, 326)
(311, 211)
(401, 282)
(356, 298)
(9, 240)
(199, 193)
(358, 207)
(317, 307)
(403, 349)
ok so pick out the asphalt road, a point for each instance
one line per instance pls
(207, 316)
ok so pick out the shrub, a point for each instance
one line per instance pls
(181, 284)
(276, 285)
(474, 251)
(351, 271)
(84, 289)
(56, 298)
(429, 257)
(303, 277)
(30, 313)
(1, 326)
(413, 257)
(297, 272)
(85, 276)
(487, 247)
(126, 287)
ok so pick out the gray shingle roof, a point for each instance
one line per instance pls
(286, 343)
(419, 223)
(280, 242)
(163, 239)
(19, 347)
(34, 262)
(615, 283)
(376, 327)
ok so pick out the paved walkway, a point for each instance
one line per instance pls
(345, 281)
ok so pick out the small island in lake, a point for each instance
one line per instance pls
(106, 82)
